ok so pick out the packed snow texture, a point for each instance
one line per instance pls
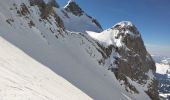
(23, 78)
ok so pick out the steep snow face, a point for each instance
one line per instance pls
(75, 19)
(23, 78)
(124, 24)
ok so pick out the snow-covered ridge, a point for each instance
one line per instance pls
(69, 1)
(111, 36)
(124, 24)
(75, 19)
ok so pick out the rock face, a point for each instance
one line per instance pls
(36, 2)
(47, 11)
(53, 3)
(74, 8)
(134, 60)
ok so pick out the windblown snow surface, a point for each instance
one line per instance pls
(23, 78)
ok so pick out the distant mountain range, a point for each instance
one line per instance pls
(163, 75)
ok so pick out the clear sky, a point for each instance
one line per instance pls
(151, 17)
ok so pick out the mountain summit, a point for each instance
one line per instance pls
(104, 64)
(73, 7)
(75, 19)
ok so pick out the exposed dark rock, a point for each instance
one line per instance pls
(59, 21)
(74, 8)
(153, 90)
(31, 24)
(40, 3)
(97, 23)
(23, 11)
(10, 21)
(138, 63)
(138, 59)
(65, 14)
(47, 10)
(53, 3)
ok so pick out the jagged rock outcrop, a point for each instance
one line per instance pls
(135, 62)
(53, 3)
(40, 3)
(47, 10)
(74, 8)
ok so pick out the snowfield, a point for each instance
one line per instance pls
(162, 68)
(23, 78)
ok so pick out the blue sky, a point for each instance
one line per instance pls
(151, 17)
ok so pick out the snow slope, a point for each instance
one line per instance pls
(23, 78)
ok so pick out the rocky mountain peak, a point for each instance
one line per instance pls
(125, 24)
(71, 1)
(73, 7)
(132, 60)
(126, 28)
(37, 2)
(133, 54)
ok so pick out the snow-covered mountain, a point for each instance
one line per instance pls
(163, 75)
(75, 19)
(105, 65)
